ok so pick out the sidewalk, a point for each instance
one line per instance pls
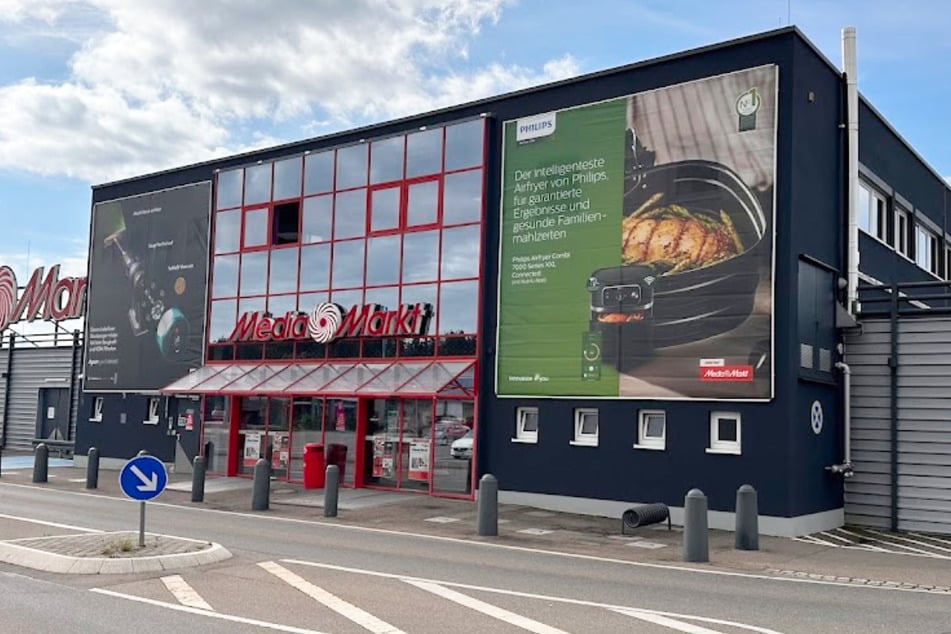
(524, 527)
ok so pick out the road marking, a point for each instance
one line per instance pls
(347, 610)
(53, 524)
(486, 608)
(535, 531)
(472, 543)
(914, 541)
(656, 619)
(184, 593)
(212, 615)
(530, 595)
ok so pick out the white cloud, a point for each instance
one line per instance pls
(162, 84)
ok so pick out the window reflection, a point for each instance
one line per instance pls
(388, 296)
(287, 178)
(315, 267)
(383, 260)
(350, 214)
(280, 305)
(254, 273)
(464, 145)
(309, 301)
(386, 160)
(462, 197)
(424, 294)
(422, 206)
(319, 173)
(283, 271)
(348, 264)
(423, 153)
(255, 227)
(460, 252)
(229, 189)
(352, 166)
(251, 305)
(318, 214)
(225, 276)
(385, 209)
(227, 231)
(347, 299)
(458, 303)
(420, 256)
(222, 319)
(257, 184)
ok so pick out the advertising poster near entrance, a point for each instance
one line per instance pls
(419, 460)
(252, 449)
(145, 315)
(637, 245)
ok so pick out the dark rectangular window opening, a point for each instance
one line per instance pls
(286, 229)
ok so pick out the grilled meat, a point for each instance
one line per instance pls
(674, 239)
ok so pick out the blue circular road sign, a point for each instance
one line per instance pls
(143, 478)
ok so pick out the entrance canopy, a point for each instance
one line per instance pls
(385, 378)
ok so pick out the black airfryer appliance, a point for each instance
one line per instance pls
(622, 303)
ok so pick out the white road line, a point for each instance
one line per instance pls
(469, 542)
(838, 537)
(863, 538)
(935, 538)
(347, 610)
(541, 597)
(915, 541)
(184, 593)
(680, 626)
(810, 539)
(486, 608)
(212, 615)
(53, 524)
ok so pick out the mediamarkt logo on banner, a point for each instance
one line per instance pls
(329, 321)
(49, 298)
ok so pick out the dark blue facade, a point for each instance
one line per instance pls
(783, 454)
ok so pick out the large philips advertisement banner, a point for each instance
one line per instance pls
(145, 314)
(637, 245)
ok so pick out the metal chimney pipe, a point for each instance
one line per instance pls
(850, 64)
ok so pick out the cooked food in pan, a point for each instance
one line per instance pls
(672, 239)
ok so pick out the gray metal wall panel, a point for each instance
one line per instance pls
(3, 384)
(33, 368)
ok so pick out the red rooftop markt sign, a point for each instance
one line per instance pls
(45, 298)
(329, 321)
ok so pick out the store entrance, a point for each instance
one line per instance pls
(398, 443)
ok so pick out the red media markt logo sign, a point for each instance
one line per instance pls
(48, 298)
(329, 321)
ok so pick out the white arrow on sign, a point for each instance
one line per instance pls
(147, 484)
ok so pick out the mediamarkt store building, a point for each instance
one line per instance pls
(603, 291)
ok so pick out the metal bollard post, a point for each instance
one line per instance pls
(143, 452)
(747, 519)
(261, 493)
(696, 537)
(488, 506)
(198, 479)
(1, 458)
(331, 489)
(92, 469)
(41, 463)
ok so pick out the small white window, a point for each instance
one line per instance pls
(96, 410)
(586, 427)
(651, 429)
(153, 414)
(872, 210)
(926, 249)
(725, 432)
(902, 231)
(947, 261)
(526, 424)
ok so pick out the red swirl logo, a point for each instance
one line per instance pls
(8, 296)
(324, 322)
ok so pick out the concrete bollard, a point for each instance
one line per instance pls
(1, 459)
(747, 519)
(92, 469)
(41, 459)
(198, 479)
(261, 492)
(487, 517)
(331, 490)
(696, 535)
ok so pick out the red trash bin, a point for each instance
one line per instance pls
(313, 466)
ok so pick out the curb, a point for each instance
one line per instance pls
(13, 553)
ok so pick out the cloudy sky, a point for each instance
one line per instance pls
(96, 90)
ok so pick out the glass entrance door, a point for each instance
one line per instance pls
(398, 443)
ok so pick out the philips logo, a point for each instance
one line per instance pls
(535, 127)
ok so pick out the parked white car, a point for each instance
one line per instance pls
(462, 447)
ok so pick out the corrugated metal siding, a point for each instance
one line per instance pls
(3, 385)
(923, 429)
(31, 369)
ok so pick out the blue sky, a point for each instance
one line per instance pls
(96, 90)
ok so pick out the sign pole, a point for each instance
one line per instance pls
(141, 524)
(143, 478)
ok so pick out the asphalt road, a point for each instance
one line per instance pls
(291, 575)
